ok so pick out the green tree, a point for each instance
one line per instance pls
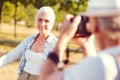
(73, 6)
(8, 12)
(20, 15)
(30, 16)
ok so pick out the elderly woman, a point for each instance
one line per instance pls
(34, 49)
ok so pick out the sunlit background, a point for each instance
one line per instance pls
(17, 22)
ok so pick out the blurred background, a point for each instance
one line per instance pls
(17, 22)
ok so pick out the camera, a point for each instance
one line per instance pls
(82, 29)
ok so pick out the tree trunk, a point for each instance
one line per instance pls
(1, 4)
(15, 21)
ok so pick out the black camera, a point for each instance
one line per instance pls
(82, 30)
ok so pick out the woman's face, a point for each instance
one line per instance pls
(45, 23)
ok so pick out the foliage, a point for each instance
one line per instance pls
(30, 16)
(61, 7)
(73, 6)
(20, 15)
(8, 11)
(66, 6)
(69, 6)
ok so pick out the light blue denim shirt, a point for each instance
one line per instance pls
(18, 52)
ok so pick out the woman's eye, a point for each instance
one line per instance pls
(39, 20)
(46, 21)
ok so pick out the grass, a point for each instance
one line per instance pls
(8, 42)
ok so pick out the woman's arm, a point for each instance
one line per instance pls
(12, 55)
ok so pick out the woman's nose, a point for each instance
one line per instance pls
(43, 23)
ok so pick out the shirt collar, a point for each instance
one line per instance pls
(112, 50)
(49, 39)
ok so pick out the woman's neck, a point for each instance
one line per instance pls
(42, 36)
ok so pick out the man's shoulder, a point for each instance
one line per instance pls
(92, 60)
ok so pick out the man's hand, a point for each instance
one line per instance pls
(68, 30)
(88, 45)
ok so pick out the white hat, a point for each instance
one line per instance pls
(102, 8)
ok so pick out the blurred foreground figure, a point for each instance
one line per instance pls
(104, 24)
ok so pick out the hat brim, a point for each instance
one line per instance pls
(101, 13)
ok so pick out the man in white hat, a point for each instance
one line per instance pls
(104, 24)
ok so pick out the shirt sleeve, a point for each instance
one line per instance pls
(85, 70)
(13, 54)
